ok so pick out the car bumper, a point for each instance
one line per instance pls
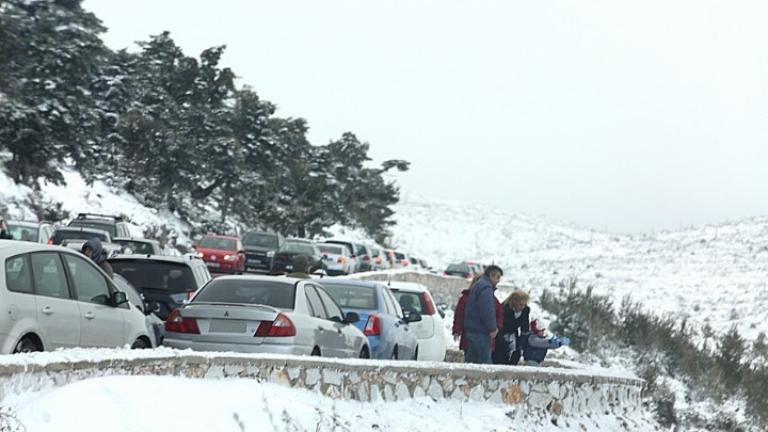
(431, 349)
(241, 348)
(222, 266)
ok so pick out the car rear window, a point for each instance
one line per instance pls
(464, 268)
(106, 226)
(301, 248)
(338, 250)
(137, 247)
(20, 232)
(62, 235)
(351, 296)
(399, 256)
(260, 240)
(270, 293)
(411, 301)
(165, 276)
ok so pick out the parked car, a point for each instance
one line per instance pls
(360, 252)
(381, 318)
(415, 263)
(54, 297)
(260, 247)
(282, 261)
(337, 258)
(166, 282)
(430, 331)
(39, 232)
(402, 260)
(75, 237)
(222, 254)
(378, 259)
(133, 246)
(460, 269)
(265, 314)
(114, 225)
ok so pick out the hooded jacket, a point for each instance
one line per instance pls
(480, 310)
(98, 256)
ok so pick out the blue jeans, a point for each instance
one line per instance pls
(479, 350)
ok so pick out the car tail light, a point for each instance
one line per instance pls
(178, 324)
(282, 326)
(378, 260)
(373, 326)
(366, 258)
(429, 304)
(340, 260)
(406, 263)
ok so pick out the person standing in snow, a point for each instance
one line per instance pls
(93, 250)
(4, 234)
(480, 316)
(516, 316)
(536, 344)
(458, 318)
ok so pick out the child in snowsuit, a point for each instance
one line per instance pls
(536, 344)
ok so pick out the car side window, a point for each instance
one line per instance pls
(330, 306)
(398, 311)
(49, 276)
(313, 299)
(90, 285)
(388, 306)
(18, 276)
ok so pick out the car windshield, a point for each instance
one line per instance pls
(461, 267)
(218, 243)
(106, 226)
(136, 247)
(158, 275)
(271, 293)
(21, 232)
(331, 249)
(353, 296)
(60, 236)
(299, 248)
(260, 240)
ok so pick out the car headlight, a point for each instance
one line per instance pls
(200, 254)
(270, 254)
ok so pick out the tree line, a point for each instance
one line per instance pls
(173, 130)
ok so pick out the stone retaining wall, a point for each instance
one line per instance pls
(543, 392)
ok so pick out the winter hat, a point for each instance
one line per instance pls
(537, 328)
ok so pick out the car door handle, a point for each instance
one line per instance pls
(47, 310)
(89, 315)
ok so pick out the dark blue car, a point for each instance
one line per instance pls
(381, 318)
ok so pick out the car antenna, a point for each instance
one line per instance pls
(389, 281)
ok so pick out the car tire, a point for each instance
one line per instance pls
(140, 343)
(26, 345)
(316, 352)
(394, 353)
(364, 353)
(416, 353)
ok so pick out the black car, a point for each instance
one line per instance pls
(462, 270)
(282, 261)
(259, 248)
(166, 282)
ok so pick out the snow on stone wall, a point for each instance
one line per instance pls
(545, 393)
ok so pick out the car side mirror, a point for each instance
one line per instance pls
(119, 298)
(351, 318)
(410, 316)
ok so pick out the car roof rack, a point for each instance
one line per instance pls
(82, 216)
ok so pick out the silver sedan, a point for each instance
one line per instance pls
(262, 314)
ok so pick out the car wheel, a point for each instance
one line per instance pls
(316, 352)
(364, 354)
(140, 343)
(394, 353)
(26, 345)
(416, 353)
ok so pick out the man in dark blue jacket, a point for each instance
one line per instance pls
(480, 316)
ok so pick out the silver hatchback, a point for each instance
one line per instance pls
(262, 314)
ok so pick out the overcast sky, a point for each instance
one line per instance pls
(626, 116)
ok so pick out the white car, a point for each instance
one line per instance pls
(263, 314)
(53, 297)
(337, 258)
(430, 331)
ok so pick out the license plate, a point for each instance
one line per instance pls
(289, 267)
(254, 262)
(227, 326)
(213, 264)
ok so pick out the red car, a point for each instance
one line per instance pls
(222, 254)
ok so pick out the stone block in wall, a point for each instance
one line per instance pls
(513, 395)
